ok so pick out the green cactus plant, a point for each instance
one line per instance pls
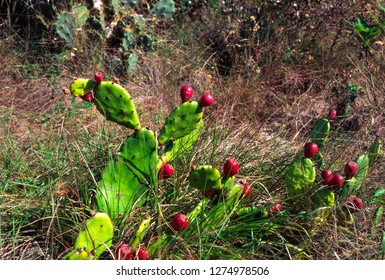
(66, 27)
(164, 9)
(181, 121)
(320, 132)
(299, 177)
(205, 177)
(132, 174)
(208, 215)
(175, 149)
(115, 103)
(93, 239)
(126, 182)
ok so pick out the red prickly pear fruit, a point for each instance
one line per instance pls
(353, 203)
(336, 182)
(206, 100)
(332, 114)
(310, 149)
(277, 207)
(230, 168)
(88, 97)
(358, 202)
(186, 93)
(166, 171)
(327, 176)
(142, 253)
(123, 252)
(98, 77)
(247, 189)
(180, 222)
(350, 169)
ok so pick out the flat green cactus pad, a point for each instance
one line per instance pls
(362, 171)
(80, 87)
(205, 177)
(320, 132)
(175, 149)
(126, 181)
(215, 217)
(182, 120)
(115, 103)
(93, 239)
(299, 176)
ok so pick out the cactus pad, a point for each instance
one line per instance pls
(182, 120)
(80, 87)
(299, 176)
(93, 239)
(114, 102)
(125, 182)
(323, 201)
(66, 27)
(320, 132)
(175, 149)
(140, 233)
(205, 177)
(164, 9)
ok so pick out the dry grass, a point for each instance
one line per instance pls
(263, 117)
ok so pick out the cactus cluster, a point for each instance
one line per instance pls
(210, 213)
(320, 197)
(130, 178)
(128, 26)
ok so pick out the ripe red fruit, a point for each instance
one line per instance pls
(310, 149)
(230, 168)
(332, 114)
(123, 252)
(206, 100)
(180, 222)
(350, 169)
(88, 97)
(247, 189)
(336, 182)
(327, 176)
(142, 253)
(98, 77)
(353, 203)
(277, 207)
(358, 202)
(166, 171)
(186, 93)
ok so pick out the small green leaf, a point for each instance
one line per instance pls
(379, 192)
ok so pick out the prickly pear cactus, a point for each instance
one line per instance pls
(140, 233)
(93, 239)
(205, 177)
(320, 132)
(80, 87)
(322, 203)
(181, 121)
(115, 103)
(175, 149)
(164, 9)
(126, 182)
(299, 176)
(66, 27)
